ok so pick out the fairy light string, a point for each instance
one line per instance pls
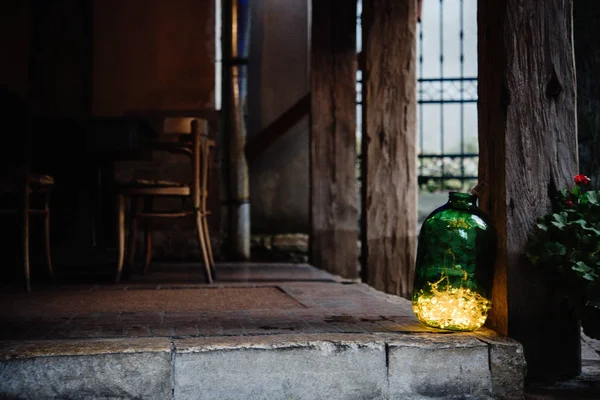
(444, 306)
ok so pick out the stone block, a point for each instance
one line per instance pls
(279, 368)
(507, 365)
(101, 369)
(444, 366)
(291, 243)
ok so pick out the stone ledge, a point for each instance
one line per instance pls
(417, 366)
(274, 342)
(479, 365)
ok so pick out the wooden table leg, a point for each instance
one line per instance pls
(120, 234)
(47, 233)
(148, 235)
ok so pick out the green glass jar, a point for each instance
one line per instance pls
(455, 266)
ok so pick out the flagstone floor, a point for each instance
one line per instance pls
(250, 299)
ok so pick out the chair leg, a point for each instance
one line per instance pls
(208, 245)
(147, 236)
(47, 234)
(25, 238)
(135, 207)
(120, 235)
(201, 241)
(148, 250)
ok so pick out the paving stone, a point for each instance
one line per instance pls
(162, 331)
(90, 331)
(113, 330)
(210, 329)
(138, 331)
(183, 331)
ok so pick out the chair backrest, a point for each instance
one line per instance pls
(177, 125)
(196, 146)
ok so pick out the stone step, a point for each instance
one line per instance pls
(481, 365)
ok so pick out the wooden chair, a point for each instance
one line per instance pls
(23, 192)
(140, 193)
(26, 185)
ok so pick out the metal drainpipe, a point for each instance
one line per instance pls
(236, 94)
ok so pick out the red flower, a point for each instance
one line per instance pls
(569, 203)
(581, 179)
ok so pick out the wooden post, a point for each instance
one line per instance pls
(333, 188)
(528, 150)
(586, 34)
(389, 209)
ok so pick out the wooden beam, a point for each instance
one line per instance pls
(528, 150)
(333, 187)
(278, 128)
(586, 27)
(389, 209)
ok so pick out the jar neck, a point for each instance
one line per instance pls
(463, 201)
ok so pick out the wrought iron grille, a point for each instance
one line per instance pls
(447, 94)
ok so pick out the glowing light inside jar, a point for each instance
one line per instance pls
(450, 307)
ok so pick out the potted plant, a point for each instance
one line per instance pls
(566, 242)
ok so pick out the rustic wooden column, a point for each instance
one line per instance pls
(528, 150)
(333, 188)
(586, 34)
(389, 209)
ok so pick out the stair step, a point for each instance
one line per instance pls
(481, 365)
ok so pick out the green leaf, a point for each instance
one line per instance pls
(532, 256)
(542, 227)
(580, 266)
(555, 248)
(588, 277)
(577, 255)
(533, 251)
(595, 304)
(585, 226)
(595, 231)
(593, 197)
(560, 220)
(559, 225)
